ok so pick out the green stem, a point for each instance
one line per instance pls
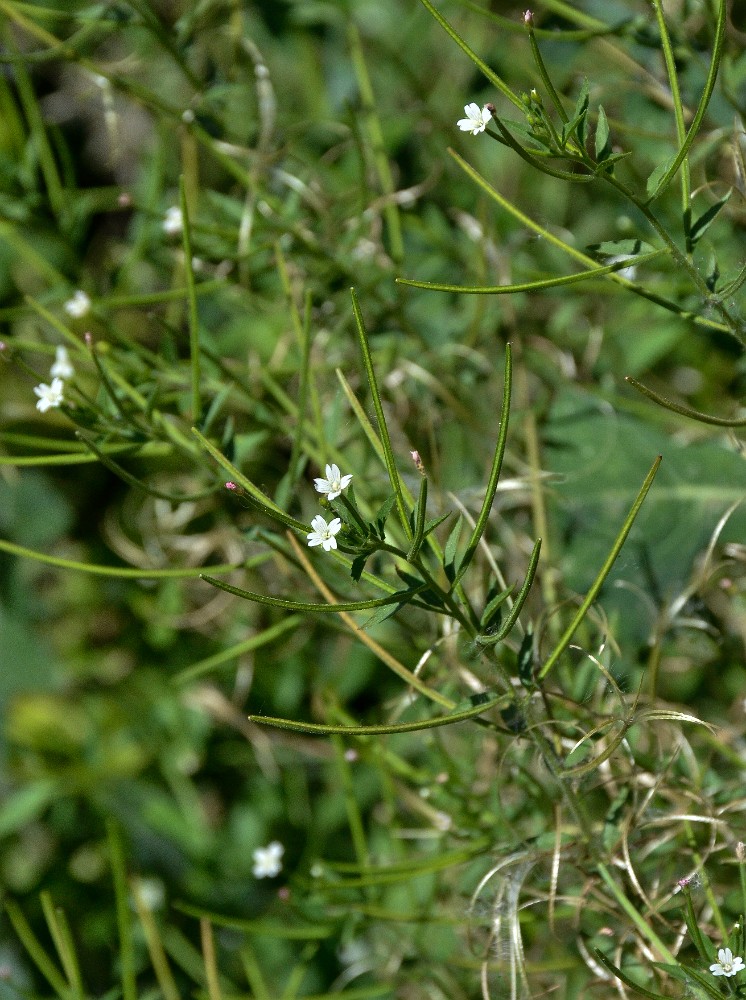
(554, 240)
(673, 82)
(544, 74)
(717, 51)
(186, 233)
(646, 931)
(383, 430)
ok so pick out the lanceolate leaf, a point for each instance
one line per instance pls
(449, 556)
(703, 223)
(603, 146)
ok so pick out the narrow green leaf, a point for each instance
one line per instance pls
(194, 360)
(429, 597)
(316, 729)
(228, 656)
(358, 565)
(507, 626)
(703, 223)
(133, 481)
(654, 181)
(698, 984)
(419, 521)
(36, 951)
(537, 162)
(494, 476)
(449, 555)
(127, 964)
(544, 146)
(526, 658)
(382, 514)
(281, 602)
(123, 572)
(692, 922)
(685, 411)
(381, 615)
(541, 283)
(664, 177)
(433, 524)
(59, 930)
(625, 978)
(577, 121)
(493, 606)
(602, 143)
(383, 430)
(608, 162)
(262, 501)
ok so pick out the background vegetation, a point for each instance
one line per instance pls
(309, 144)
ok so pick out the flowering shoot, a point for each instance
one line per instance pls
(268, 860)
(334, 483)
(323, 533)
(476, 120)
(49, 395)
(727, 964)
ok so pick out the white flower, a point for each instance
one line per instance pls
(172, 221)
(62, 367)
(78, 305)
(476, 119)
(323, 533)
(727, 964)
(334, 483)
(268, 860)
(49, 395)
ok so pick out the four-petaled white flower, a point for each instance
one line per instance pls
(78, 305)
(173, 221)
(476, 119)
(49, 395)
(334, 483)
(323, 533)
(62, 367)
(268, 860)
(727, 964)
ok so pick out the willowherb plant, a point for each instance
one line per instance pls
(549, 721)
